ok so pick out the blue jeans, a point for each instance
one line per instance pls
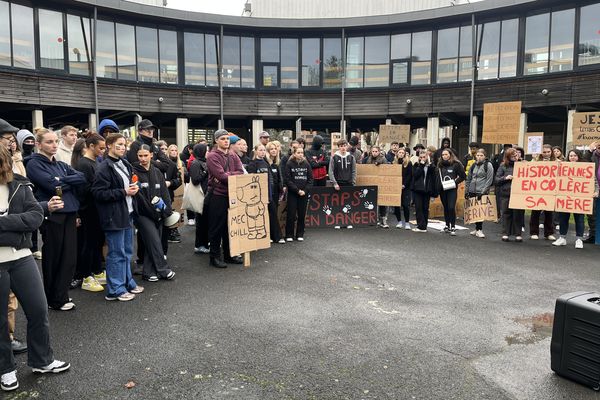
(564, 224)
(118, 262)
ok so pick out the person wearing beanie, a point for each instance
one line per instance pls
(240, 147)
(25, 142)
(107, 126)
(146, 131)
(438, 153)
(318, 160)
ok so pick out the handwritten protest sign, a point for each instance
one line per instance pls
(479, 210)
(387, 178)
(553, 186)
(351, 205)
(586, 128)
(248, 213)
(501, 122)
(534, 142)
(335, 137)
(436, 208)
(394, 133)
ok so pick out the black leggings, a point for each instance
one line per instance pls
(448, 198)
(296, 206)
(422, 209)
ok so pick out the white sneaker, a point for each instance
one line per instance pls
(37, 255)
(407, 226)
(54, 367)
(473, 233)
(201, 249)
(561, 241)
(419, 230)
(551, 237)
(349, 227)
(191, 222)
(289, 240)
(579, 244)
(480, 234)
(541, 226)
(9, 381)
(300, 239)
(281, 241)
(399, 225)
(534, 237)
(337, 227)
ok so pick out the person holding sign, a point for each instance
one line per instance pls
(375, 157)
(424, 189)
(479, 182)
(342, 169)
(512, 219)
(574, 156)
(450, 173)
(298, 179)
(403, 159)
(534, 221)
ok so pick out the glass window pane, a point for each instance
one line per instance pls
(269, 50)
(193, 53)
(400, 73)
(147, 54)
(488, 36)
(248, 72)
(332, 63)
(377, 61)
(289, 63)
(589, 35)
(270, 76)
(211, 43)
(168, 56)
(22, 36)
(509, 48)
(561, 40)
(126, 52)
(465, 61)
(4, 34)
(51, 40)
(78, 29)
(421, 58)
(231, 61)
(311, 54)
(447, 61)
(401, 46)
(105, 51)
(537, 31)
(354, 62)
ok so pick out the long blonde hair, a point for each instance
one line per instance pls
(405, 159)
(179, 162)
(272, 145)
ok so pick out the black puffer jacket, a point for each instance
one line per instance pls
(424, 182)
(24, 215)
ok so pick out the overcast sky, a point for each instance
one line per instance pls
(226, 7)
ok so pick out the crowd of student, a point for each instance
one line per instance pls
(88, 195)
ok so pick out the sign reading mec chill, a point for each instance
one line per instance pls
(501, 122)
(387, 178)
(553, 186)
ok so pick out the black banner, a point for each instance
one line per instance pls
(351, 205)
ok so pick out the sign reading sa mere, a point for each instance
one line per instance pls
(501, 122)
(553, 186)
(586, 128)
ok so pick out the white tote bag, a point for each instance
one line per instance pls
(193, 198)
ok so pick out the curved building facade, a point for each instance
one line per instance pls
(190, 72)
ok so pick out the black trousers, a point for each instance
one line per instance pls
(534, 223)
(320, 182)
(23, 278)
(448, 198)
(273, 220)
(59, 235)
(404, 207)
(202, 227)
(150, 232)
(296, 207)
(217, 226)
(422, 209)
(90, 242)
(512, 219)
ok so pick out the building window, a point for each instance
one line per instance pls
(270, 75)
(289, 63)
(465, 60)
(211, 44)
(22, 36)
(51, 40)
(561, 40)
(400, 58)
(311, 62)
(332, 63)
(509, 43)
(231, 61)
(537, 34)
(193, 52)
(270, 62)
(421, 58)
(5, 54)
(589, 35)
(354, 62)
(447, 58)
(126, 52)
(248, 71)
(488, 46)
(106, 64)
(79, 44)
(168, 56)
(147, 54)
(377, 61)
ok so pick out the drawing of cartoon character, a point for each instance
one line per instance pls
(250, 195)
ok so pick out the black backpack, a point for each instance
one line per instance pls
(485, 167)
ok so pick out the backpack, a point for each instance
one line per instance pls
(485, 167)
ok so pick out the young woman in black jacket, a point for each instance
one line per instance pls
(449, 169)
(403, 159)
(512, 219)
(424, 189)
(298, 179)
(199, 176)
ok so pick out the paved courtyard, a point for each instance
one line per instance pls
(360, 314)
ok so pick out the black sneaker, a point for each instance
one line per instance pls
(75, 283)
(18, 347)
(55, 367)
(217, 263)
(234, 260)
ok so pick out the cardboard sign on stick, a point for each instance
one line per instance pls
(387, 178)
(501, 122)
(534, 142)
(394, 133)
(480, 210)
(586, 128)
(248, 213)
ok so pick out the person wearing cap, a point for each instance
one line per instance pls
(107, 126)
(221, 163)
(415, 157)
(354, 149)
(469, 159)
(264, 138)
(146, 131)
(68, 136)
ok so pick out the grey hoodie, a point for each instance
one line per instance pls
(342, 168)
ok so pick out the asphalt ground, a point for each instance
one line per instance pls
(366, 313)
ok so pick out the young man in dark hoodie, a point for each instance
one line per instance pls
(342, 169)
(438, 153)
(318, 160)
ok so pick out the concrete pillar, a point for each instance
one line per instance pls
(181, 132)
(299, 127)
(474, 131)
(522, 129)
(257, 128)
(92, 121)
(569, 141)
(343, 129)
(221, 124)
(388, 121)
(433, 131)
(37, 119)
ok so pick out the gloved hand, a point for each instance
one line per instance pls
(159, 204)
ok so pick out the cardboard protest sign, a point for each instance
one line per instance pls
(553, 186)
(534, 142)
(436, 208)
(501, 122)
(479, 210)
(387, 178)
(335, 137)
(308, 138)
(351, 205)
(586, 128)
(394, 133)
(248, 213)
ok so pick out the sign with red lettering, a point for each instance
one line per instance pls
(553, 186)
(480, 209)
(501, 122)
(351, 205)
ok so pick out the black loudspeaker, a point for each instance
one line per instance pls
(575, 346)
